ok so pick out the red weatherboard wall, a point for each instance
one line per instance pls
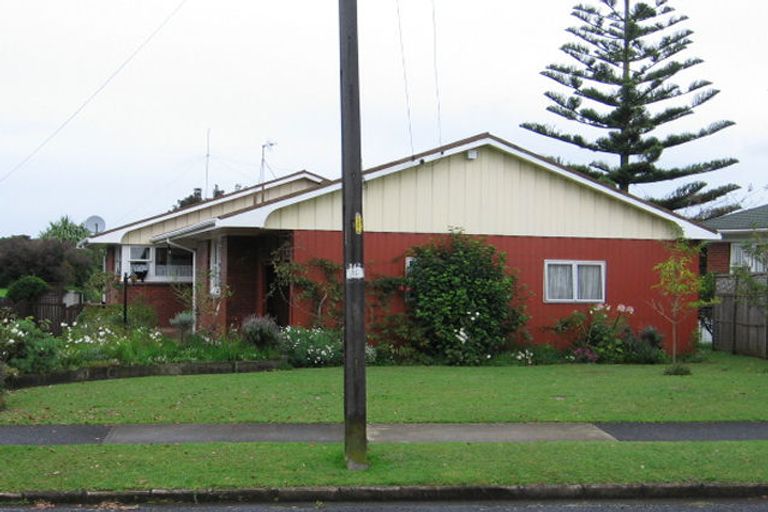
(719, 257)
(629, 272)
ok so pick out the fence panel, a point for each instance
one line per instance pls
(740, 327)
(48, 311)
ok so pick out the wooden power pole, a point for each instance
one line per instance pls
(355, 441)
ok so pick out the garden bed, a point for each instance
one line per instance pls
(122, 372)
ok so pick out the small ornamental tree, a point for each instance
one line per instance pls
(463, 299)
(679, 285)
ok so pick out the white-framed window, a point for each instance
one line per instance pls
(154, 264)
(118, 252)
(139, 258)
(172, 263)
(214, 267)
(574, 281)
(741, 257)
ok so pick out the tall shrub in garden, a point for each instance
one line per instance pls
(463, 298)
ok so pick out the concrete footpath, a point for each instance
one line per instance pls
(392, 433)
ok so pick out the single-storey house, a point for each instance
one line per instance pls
(738, 230)
(573, 242)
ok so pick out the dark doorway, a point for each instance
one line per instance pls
(278, 297)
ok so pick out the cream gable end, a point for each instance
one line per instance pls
(495, 194)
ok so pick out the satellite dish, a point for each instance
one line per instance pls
(95, 224)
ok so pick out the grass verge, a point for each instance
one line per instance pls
(227, 466)
(724, 388)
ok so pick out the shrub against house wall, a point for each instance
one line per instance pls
(463, 299)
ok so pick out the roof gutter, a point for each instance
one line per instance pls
(189, 230)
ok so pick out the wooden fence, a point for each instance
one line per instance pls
(740, 326)
(49, 311)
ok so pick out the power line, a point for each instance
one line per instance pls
(405, 74)
(94, 94)
(437, 78)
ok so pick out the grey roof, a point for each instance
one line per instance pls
(753, 218)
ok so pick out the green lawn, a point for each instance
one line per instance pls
(724, 388)
(290, 465)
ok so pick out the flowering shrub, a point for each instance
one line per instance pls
(463, 300)
(26, 347)
(603, 335)
(584, 355)
(312, 347)
(525, 356)
(317, 347)
(88, 343)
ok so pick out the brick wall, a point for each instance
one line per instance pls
(160, 296)
(243, 280)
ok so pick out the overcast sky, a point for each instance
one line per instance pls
(254, 71)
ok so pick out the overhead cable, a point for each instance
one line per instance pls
(405, 75)
(95, 93)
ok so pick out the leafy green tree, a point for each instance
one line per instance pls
(66, 230)
(54, 261)
(626, 58)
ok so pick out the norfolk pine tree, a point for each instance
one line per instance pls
(626, 59)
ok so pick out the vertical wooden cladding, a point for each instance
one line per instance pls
(629, 272)
(182, 220)
(494, 194)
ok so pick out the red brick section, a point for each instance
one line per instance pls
(719, 257)
(160, 296)
(629, 267)
(243, 266)
(247, 258)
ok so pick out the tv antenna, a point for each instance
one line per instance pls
(207, 159)
(262, 171)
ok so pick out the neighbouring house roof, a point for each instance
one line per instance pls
(256, 216)
(115, 235)
(753, 219)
